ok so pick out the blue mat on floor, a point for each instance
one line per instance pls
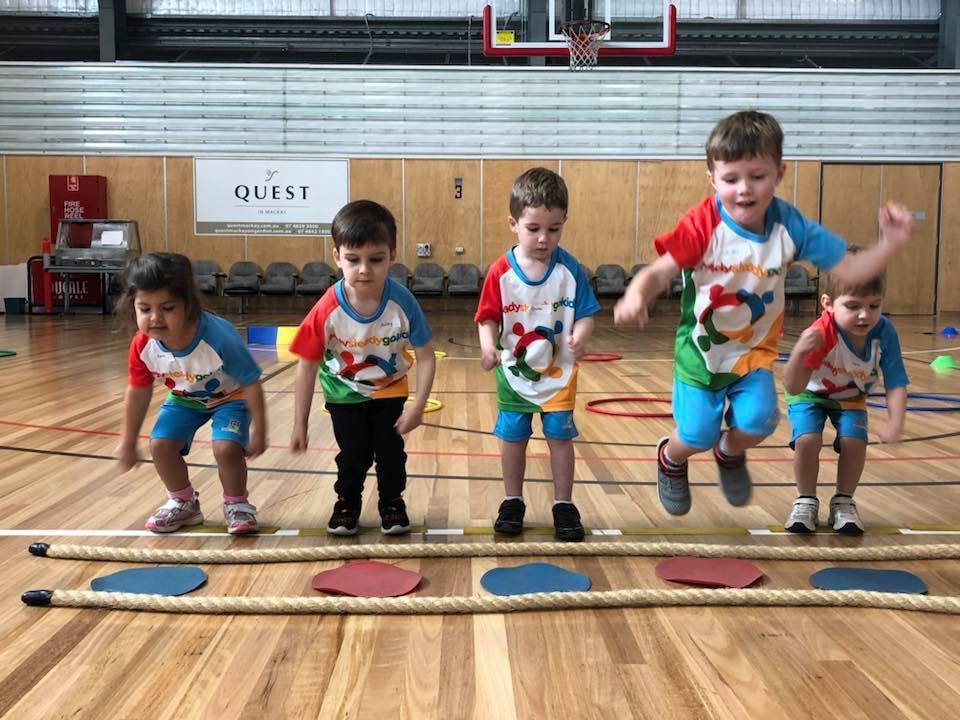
(842, 578)
(533, 578)
(169, 581)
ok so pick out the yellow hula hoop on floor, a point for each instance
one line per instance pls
(432, 405)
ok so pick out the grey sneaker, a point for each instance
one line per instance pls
(844, 517)
(734, 478)
(673, 487)
(241, 518)
(803, 515)
(174, 514)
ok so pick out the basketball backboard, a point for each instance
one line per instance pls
(509, 35)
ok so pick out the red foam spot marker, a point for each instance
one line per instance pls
(711, 572)
(367, 578)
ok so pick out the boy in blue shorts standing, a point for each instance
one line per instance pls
(535, 319)
(734, 249)
(831, 370)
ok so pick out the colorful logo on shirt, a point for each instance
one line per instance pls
(353, 367)
(718, 299)
(829, 388)
(527, 338)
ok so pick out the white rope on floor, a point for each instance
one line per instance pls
(911, 551)
(493, 604)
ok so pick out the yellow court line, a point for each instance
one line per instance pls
(933, 527)
(828, 531)
(686, 531)
(205, 529)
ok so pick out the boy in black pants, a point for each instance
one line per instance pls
(358, 335)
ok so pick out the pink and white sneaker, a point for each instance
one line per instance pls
(175, 514)
(241, 518)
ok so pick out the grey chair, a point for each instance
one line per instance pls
(463, 279)
(208, 276)
(799, 285)
(427, 279)
(610, 280)
(243, 280)
(315, 278)
(279, 279)
(634, 271)
(399, 273)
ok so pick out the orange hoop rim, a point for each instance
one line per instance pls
(593, 406)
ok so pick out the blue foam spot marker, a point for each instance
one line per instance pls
(169, 581)
(533, 578)
(949, 331)
(842, 578)
(261, 335)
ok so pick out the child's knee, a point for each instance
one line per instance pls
(165, 448)
(225, 451)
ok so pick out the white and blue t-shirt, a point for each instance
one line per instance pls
(210, 371)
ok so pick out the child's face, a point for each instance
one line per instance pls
(163, 317)
(365, 267)
(856, 315)
(746, 188)
(538, 231)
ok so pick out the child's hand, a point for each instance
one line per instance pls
(126, 455)
(577, 347)
(489, 359)
(896, 224)
(631, 308)
(810, 340)
(257, 444)
(298, 441)
(409, 419)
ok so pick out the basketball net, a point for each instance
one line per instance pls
(583, 40)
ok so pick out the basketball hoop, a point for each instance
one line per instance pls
(583, 39)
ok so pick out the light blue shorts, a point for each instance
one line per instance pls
(518, 426)
(231, 421)
(807, 418)
(699, 413)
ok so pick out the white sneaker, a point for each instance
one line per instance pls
(174, 514)
(844, 517)
(803, 515)
(241, 518)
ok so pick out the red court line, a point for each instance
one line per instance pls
(833, 457)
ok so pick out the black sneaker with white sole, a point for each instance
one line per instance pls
(393, 517)
(345, 517)
(566, 522)
(510, 517)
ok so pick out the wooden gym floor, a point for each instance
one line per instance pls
(61, 412)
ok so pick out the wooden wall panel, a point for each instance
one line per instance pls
(851, 198)
(28, 199)
(602, 224)
(498, 177)
(134, 192)
(806, 189)
(225, 249)
(436, 216)
(911, 276)
(948, 287)
(380, 180)
(667, 190)
(5, 256)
